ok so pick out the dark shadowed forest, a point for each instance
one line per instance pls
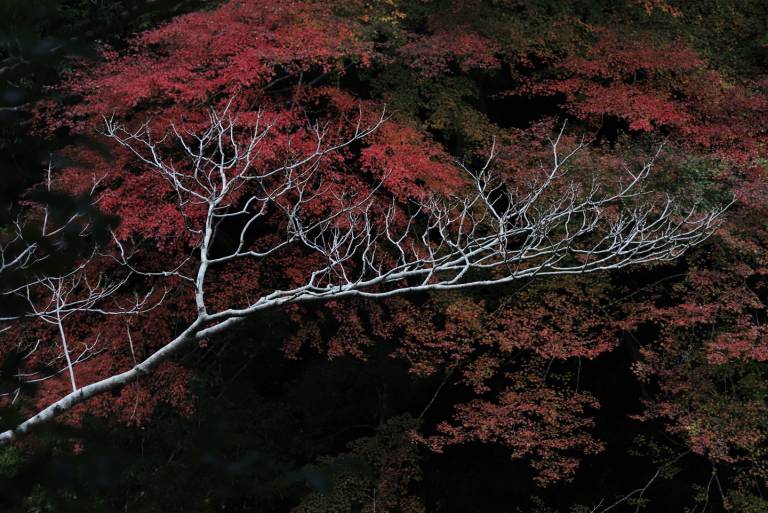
(384, 256)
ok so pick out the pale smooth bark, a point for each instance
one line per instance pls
(446, 243)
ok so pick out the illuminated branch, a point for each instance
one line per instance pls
(370, 245)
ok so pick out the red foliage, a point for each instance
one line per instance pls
(240, 47)
(460, 46)
(545, 425)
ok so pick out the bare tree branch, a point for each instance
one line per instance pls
(371, 246)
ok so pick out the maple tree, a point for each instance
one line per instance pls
(256, 109)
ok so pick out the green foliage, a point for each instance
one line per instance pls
(746, 502)
(374, 475)
(10, 457)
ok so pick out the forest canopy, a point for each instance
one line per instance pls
(384, 256)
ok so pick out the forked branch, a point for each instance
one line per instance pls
(369, 244)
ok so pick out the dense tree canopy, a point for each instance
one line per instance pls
(639, 386)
